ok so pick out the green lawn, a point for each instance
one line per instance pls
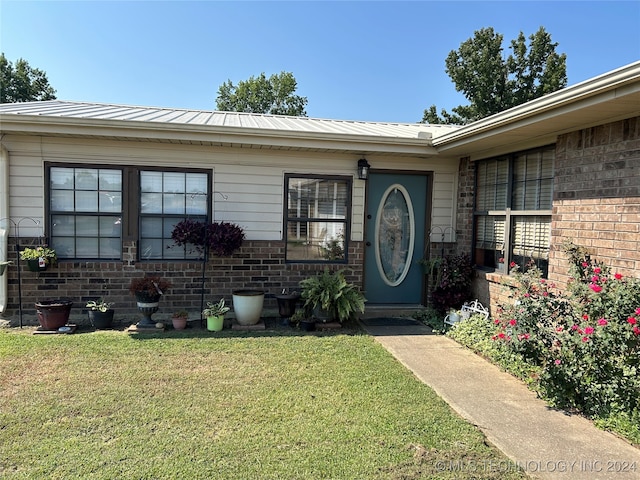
(197, 405)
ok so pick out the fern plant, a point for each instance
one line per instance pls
(334, 294)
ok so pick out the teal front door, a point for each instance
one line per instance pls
(394, 237)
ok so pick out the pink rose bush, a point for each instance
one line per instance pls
(585, 342)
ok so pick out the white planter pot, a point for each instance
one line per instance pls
(247, 306)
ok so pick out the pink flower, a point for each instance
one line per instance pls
(589, 330)
(574, 327)
(527, 295)
(602, 322)
(585, 317)
(559, 329)
(512, 322)
(512, 264)
(501, 260)
(618, 276)
(595, 278)
(545, 294)
(585, 339)
(597, 270)
(638, 311)
(542, 280)
(501, 335)
(585, 264)
(632, 320)
(496, 321)
(636, 330)
(558, 361)
(595, 288)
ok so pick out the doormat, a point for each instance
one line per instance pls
(389, 322)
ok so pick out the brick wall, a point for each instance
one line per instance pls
(257, 265)
(596, 204)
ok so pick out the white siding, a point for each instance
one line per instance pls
(247, 183)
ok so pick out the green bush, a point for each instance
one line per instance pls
(586, 341)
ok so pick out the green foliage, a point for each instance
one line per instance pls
(493, 84)
(99, 305)
(334, 294)
(274, 95)
(22, 83)
(215, 309)
(48, 254)
(586, 341)
(453, 288)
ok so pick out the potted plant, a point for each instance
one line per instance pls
(4, 265)
(453, 287)
(53, 314)
(214, 313)
(219, 238)
(247, 306)
(39, 258)
(148, 290)
(179, 319)
(100, 313)
(302, 319)
(331, 296)
(287, 304)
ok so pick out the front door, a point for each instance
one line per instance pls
(394, 237)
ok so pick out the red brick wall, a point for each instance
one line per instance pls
(596, 203)
(258, 264)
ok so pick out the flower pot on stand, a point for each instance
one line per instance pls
(53, 314)
(147, 306)
(101, 320)
(247, 306)
(287, 305)
(215, 323)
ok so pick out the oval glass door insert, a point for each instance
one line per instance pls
(395, 235)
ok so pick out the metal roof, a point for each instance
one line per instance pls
(177, 116)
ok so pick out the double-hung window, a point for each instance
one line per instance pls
(512, 218)
(317, 216)
(89, 206)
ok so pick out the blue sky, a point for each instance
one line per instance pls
(363, 60)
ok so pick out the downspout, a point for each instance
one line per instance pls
(4, 225)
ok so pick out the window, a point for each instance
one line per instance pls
(512, 218)
(89, 206)
(317, 218)
(86, 212)
(165, 199)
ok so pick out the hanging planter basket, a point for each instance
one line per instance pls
(36, 265)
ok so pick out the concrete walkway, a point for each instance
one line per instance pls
(545, 443)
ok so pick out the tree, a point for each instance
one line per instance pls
(492, 84)
(260, 94)
(22, 83)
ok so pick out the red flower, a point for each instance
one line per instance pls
(595, 288)
(602, 322)
(618, 276)
(501, 335)
(585, 339)
(595, 278)
(512, 322)
(636, 330)
(501, 260)
(585, 317)
(512, 264)
(496, 321)
(597, 270)
(560, 328)
(545, 294)
(585, 264)
(589, 330)
(632, 320)
(638, 311)
(574, 327)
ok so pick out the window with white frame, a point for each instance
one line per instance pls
(317, 216)
(88, 207)
(512, 218)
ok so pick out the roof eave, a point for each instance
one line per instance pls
(220, 135)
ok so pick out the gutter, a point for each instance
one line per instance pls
(616, 83)
(4, 223)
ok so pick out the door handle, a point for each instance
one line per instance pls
(368, 244)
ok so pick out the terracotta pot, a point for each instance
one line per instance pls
(179, 323)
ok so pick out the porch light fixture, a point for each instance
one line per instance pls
(363, 169)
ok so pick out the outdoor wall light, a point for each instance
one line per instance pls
(363, 169)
